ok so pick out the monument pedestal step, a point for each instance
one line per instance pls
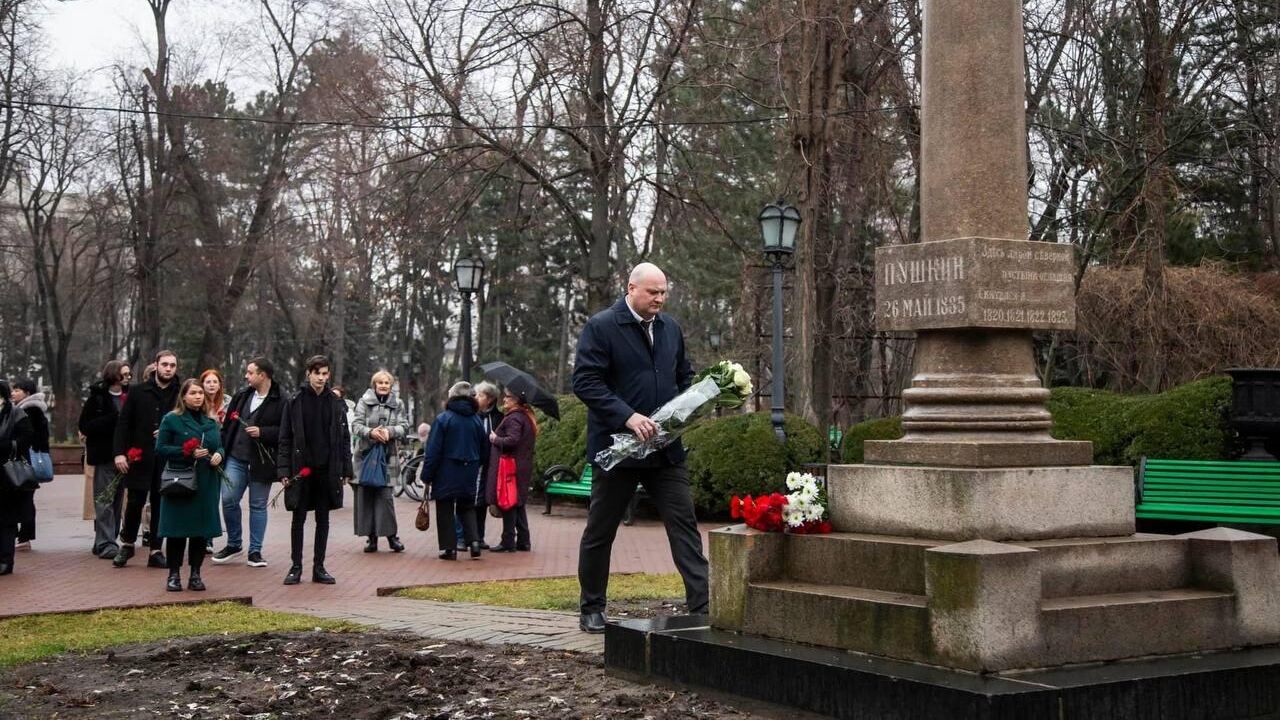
(686, 651)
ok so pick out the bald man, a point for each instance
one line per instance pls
(630, 361)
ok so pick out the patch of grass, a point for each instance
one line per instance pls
(29, 638)
(549, 593)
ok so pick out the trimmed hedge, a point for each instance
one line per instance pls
(740, 455)
(1188, 422)
(563, 441)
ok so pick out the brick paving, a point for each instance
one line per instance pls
(60, 574)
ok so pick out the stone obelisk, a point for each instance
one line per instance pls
(977, 541)
(974, 289)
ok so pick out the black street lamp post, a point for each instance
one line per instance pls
(714, 337)
(778, 224)
(468, 272)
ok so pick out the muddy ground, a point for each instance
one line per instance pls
(355, 676)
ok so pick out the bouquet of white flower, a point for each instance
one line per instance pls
(724, 384)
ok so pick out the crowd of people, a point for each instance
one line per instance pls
(180, 455)
(187, 453)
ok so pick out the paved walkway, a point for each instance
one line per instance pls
(60, 574)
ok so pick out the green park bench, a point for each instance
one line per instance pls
(1246, 492)
(561, 480)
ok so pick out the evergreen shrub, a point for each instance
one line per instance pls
(740, 455)
(1188, 422)
(563, 441)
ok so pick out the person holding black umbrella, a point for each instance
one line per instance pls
(514, 438)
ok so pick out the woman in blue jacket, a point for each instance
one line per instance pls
(453, 467)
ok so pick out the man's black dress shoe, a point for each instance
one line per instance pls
(320, 575)
(6, 569)
(294, 576)
(448, 554)
(592, 622)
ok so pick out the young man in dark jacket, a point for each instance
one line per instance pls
(630, 361)
(98, 417)
(250, 435)
(136, 430)
(313, 461)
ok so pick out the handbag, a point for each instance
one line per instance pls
(508, 492)
(20, 475)
(177, 482)
(373, 468)
(423, 520)
(41, 465)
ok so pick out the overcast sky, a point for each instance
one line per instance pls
(92, 37)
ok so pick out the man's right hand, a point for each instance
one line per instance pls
(252, 431)
(122, 464)
(642, 426)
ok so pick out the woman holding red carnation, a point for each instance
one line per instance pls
(188, 436)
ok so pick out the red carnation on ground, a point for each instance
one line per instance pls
(134, 455)
(189, 447)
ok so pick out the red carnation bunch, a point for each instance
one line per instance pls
(190, 446)
(762, 513)
(134, 455)
(811, 527)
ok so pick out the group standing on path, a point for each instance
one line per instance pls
(189, 453)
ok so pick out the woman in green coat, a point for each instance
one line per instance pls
(188, 436)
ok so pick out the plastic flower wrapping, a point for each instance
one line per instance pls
(724, 385)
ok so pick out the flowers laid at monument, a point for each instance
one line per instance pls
(725, 385)
(801, 512)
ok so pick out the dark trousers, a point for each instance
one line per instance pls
(8, 525)
(174, 548)
(481, 512)
(515, 528)
(314, 495)
(445, 514)
(26, 515)
(133, 514)
(321, 542)
(611, 492)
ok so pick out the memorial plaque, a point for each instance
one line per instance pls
(975, 283)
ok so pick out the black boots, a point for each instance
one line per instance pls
(157, 560)
(372, 545)
(194, 582)
(319, 575)
(448, 554)
(394, 543)
(475, 550)
(294, 575)
(174, 583)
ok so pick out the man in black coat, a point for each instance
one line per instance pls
(136, 427)
(250, 434)
(630, 361)
(313, 461)
(98, 417)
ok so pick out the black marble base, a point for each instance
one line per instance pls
(853, 686)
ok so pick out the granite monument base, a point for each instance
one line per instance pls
(687, 651)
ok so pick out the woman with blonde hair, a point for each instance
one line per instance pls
(378, 426)
(215, 395)
(189, 438)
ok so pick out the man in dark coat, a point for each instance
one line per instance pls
(98, 418)
(250, 435)
(136, 429)
(630, 361)
(313, 461)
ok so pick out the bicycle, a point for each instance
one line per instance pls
(410, 480)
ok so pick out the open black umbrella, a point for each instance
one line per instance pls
(521, 383)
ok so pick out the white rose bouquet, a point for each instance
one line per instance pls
(725, 384)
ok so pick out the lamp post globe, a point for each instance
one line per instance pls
(468, 273)
(778, 225)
